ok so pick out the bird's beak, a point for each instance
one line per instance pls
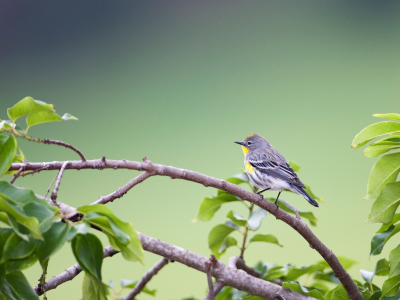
(240, 143)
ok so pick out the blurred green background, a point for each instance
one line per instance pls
(179, 81)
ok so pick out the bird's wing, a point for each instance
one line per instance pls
(275, 168)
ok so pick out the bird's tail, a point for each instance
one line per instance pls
(306, 196)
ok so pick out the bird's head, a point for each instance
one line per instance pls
(253, 142)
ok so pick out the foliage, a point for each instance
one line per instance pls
(384, 189)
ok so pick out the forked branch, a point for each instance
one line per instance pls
(156, 169)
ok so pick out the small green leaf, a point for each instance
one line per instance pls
(377, 149)
(130, 284)
(383, 172)
(367, 275)
(30, 223)
(286, 206)
(236, 218)
(27, 106)
(391, 286)
(266, 238)
(19, 286)
(385, 226)
(295, 273)
(109, 226)
(17, 248)
(346, 262)
(8, 149)
(21, 264)
(339, 293)
(373, 131)
(217, 236)
(77, 228)
(54, 239)
(228, 242)
(294, 166)
(238, 178)
(394, 258)
(384, 208)
(382, 267)
(308, 191)
(328, 277)
(209, 206)
(388, 116)
(41, 117)
(88, 251)
(379, 240)
(93, 288)
(255, 218)
(297, 287)
(133, 250)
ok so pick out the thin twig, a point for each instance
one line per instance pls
(57, 186)
(246, 231)
(68, 274)
(211, 292)
(145, 279)
(234, 189)
(16, 174)
(44, 141)
(51, 184)
(32, 172)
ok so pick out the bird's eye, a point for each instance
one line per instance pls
(249, 143)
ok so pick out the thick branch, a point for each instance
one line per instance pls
(68, 274)
(172, 172)
(145, 279)
(226, 275)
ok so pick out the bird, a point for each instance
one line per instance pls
(268, 169)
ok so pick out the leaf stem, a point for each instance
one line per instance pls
(245, 233)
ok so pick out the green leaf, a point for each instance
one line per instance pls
(290, 209)
(21, 264)
(10, 220)
(373, 131)
(295, 273)
(380, 239)
(328, 277)
(297, 287)
(44, 215)
(54, 239)
(383, 172)
(130, 284)
(388, 116)
(391, 286)
(88, 251)
(266, 238)
(228, 242)
(41, 117)
(217, 236)
(294, 166)
(394, 258)
(384, 208)
(19, 286)
(339, 293)
(77, 228)
(255, 218)
(132, 251)
(8, 149)
(108, 226)
(236, 218)
(385, 226)
(367, 275)
(379, 148)
(93, 288)
(17, 248)
(238, 178)
(27, 106)
(209, 206)
(30, 223)
(382, 267)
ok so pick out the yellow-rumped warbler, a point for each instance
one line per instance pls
(268, 169)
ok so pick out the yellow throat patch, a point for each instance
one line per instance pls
(249, 168)
(245, 150)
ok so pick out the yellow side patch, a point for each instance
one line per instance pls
(245, 150)
(249, 168)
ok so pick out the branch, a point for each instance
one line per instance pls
(68, 274)
(57, 186)
(225, 274)
(258, 200)
(145, 279)
(16, 175)
(44, 141)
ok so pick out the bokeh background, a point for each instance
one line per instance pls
(179, 81)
